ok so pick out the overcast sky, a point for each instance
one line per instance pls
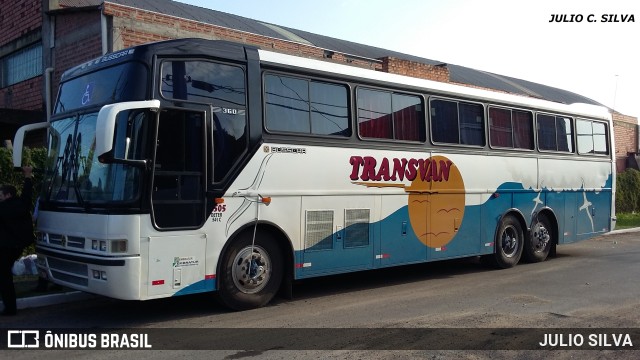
(599, 60)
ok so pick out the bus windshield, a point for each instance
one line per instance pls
(75, 177)
(124, 82)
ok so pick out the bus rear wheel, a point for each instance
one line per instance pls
(251, 274)
(540, 241)
(509, 244)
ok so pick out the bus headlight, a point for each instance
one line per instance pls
(116, 246)
(119, 246)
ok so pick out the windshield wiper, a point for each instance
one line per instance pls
(68, 166)
(75, 163)
(62, 168)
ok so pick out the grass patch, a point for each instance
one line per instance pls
(628, 220)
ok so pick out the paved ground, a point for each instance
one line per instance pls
(590, 285)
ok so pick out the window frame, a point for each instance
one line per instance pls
(513, 136)
(308, 79)
(574, 142)
(607, 137)
(214, 102)
(4, 70)
(422, 120)
(458, 101)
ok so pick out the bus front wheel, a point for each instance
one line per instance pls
(251, 273)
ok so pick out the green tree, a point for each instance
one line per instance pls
(628, 191)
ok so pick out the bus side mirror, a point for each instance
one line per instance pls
(18, 140)
(105, 129)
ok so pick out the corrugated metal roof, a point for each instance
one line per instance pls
(459, 74)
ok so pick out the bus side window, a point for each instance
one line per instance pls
(298, 105)
(592, 137)
(455, 122)
(554, 133)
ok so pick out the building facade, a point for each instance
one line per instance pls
(40, 39)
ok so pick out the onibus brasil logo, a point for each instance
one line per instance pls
(436, 192)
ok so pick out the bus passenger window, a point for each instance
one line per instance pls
(599, 138)
(555, 133)
(471, 124)
(510, 128)
(592, 137)
(374, 114)
(454, 122)
(204, 82)
(444, 122)
(522, 129)
(564, 134)
(304, 106)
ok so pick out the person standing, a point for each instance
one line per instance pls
(16, 233)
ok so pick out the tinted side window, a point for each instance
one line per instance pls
(408, 118)
(305, 106)
(374, 114)
(555, 133)
(454, 122)
(203, 81)
(500, 130)
(509, 128)
(387, 115)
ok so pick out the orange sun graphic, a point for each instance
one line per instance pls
(436, 208)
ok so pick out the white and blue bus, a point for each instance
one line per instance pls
(192, 165)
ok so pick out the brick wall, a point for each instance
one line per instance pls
(17, 20)
(19, 17)
(134, 26)
(626, 137)
(415, 69)
(25, 95)
(78, 39)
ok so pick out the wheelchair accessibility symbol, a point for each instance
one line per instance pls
(86, 97)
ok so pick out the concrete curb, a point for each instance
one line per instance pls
(52, 299)
(623, 231)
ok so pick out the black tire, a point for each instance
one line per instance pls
(540, 240)
(244, 287)
(509, 244)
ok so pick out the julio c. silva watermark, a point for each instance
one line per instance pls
(592, 18)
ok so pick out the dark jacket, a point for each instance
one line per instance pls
(16, 225)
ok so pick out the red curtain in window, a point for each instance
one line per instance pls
(407, 124)
(500, 127)
(374, 118)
